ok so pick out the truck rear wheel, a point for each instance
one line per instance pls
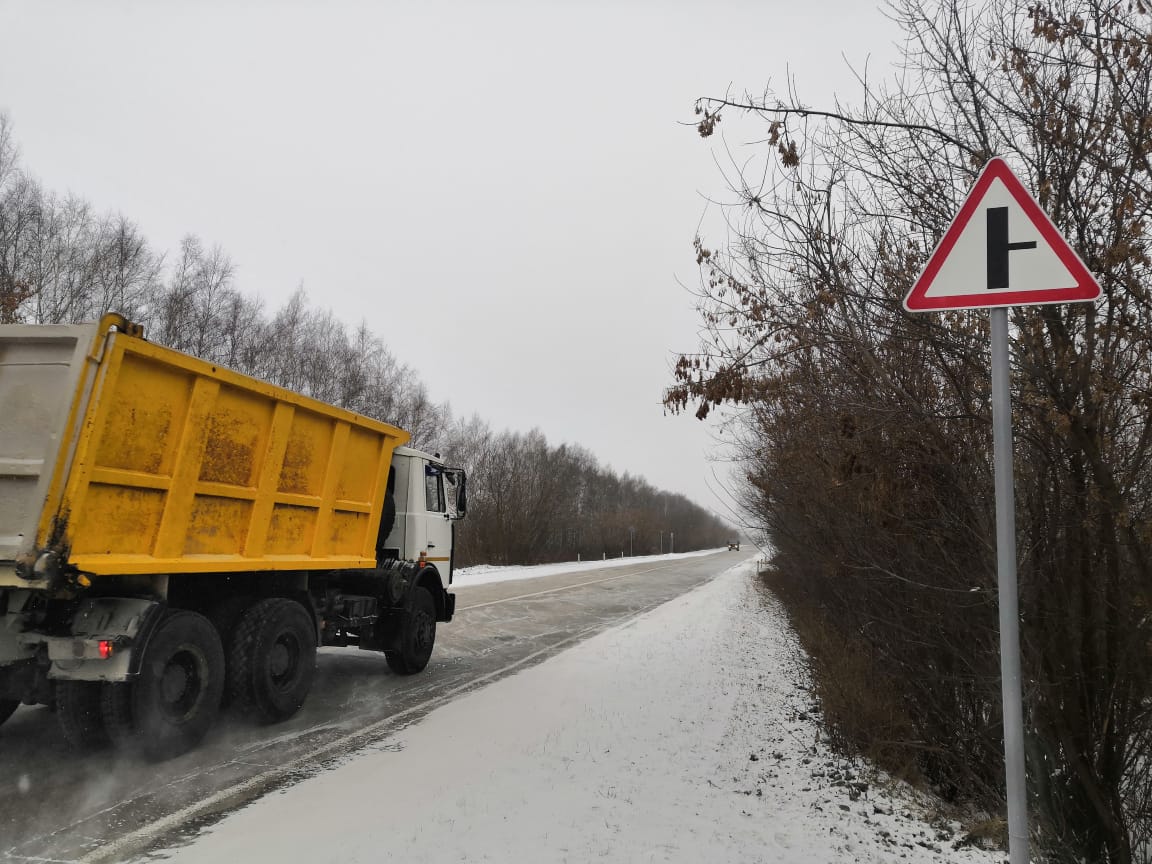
(225, 617)
(171, 705)
(272, 660)
(417, 634)
(81, 719)
(7, 707)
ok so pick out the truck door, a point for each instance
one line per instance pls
(438, 520)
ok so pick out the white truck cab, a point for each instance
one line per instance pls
(425, 499)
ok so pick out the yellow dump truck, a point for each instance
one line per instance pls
(175, 535)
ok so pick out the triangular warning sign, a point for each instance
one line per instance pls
(1000, 250)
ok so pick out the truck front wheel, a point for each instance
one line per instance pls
(172, 703)
(272, 660)
(417, 634)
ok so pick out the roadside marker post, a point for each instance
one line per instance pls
(1002, 250)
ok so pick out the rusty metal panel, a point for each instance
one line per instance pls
(181, 466)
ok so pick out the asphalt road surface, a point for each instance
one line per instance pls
(59, 806)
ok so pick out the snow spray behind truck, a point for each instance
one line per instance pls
(174, 535)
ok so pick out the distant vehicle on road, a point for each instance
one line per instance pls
(734, 546)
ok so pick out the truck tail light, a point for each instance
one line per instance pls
(423, 562)
(105, 646)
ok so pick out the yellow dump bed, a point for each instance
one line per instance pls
(119, 456)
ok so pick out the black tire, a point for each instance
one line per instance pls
(80, 716)
(171, 705)
(225, 617)
(417, 634)
(7, 707)
(272, 661)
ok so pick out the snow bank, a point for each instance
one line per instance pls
(482, 574)
(681, 736)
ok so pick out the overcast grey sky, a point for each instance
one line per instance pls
(500, 189)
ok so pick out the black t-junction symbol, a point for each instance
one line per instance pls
(999, 247)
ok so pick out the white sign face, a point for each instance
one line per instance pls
(1000, 250)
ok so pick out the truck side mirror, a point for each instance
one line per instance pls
(462, 495)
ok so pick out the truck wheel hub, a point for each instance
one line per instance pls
(174, 683)
(279, 660)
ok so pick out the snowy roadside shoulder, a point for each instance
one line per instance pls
(483, 574)
(848, 809)
(684, 735)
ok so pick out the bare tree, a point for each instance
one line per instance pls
(531, 501)
(125, 273)
(18, 206)
(867, 430)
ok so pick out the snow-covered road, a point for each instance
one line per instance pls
(684, 735)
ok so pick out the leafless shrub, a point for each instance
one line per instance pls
(867, 431)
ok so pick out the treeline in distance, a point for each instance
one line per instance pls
(61, 261)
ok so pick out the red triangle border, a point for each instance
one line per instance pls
(1086, 287)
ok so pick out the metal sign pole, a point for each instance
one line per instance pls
(1009, 599)
(1050, 272)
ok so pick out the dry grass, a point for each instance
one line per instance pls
(863, 712)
